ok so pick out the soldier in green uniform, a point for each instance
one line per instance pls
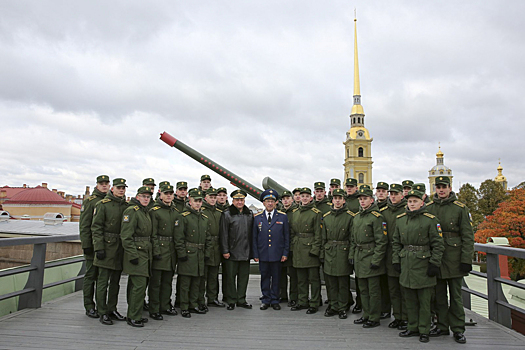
(457, 259)
(136, 235)
(192, 242)
(181, 192)
(407, 186)
(205, 183)
(164, 218)
(297, 196)
(149, 182)
(86, 239)
(352, 204)
(396, 206)
(382, 202)
(161, 184)
(417, 251)
(306, 229)
(335, 248)
(288, 269)
(210, 283)
(367, 252)
(334, 185)
(222, 199)
(321, 201)
(421, 188)
(105, 230)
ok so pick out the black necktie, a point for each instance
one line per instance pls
(269, 218)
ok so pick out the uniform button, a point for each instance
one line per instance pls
(269, 245)
(269, 240)
(269, 230)
(140, 247)
(269, 235)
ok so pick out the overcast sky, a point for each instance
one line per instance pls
(264, 88)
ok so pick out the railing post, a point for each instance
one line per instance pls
(35, 279)
(80, 283)
(497, 312)
(466, 297)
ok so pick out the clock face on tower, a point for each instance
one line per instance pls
(360, 133)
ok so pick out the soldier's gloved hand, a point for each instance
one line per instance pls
(432, 270)
(88, 251)
(101, 254)
(374, 266)
(183, 258)
(134, 261)
(157, 257)
(312, 254)
(206, 258)
(397, 267)
(465, 267)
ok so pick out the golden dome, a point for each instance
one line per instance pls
(439, 154)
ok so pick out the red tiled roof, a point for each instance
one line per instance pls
(37, 195)
(76, 205)
(11, 191)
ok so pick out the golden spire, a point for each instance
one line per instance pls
(439, 154)
(357, 109)
(500, 178)
(357, 90)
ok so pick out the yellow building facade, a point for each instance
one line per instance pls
(438, 170)
(358, 143)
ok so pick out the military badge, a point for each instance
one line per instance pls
(82, 209)
(279, 222)
(176, 223)
(94, 211)
(126, 218)
(260, 225)
(439, 230)
(384, 228)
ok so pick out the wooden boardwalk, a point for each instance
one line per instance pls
(61, 324)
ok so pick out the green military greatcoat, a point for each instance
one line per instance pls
(136, 235)
(368, 243)
(214, 218)
(192, 240)
(352, 202)
(180, 204)
(107, 218)
(164, 219)
(335, 237)
(306, 232)
(323, 205)
(390, 213)
(86, 219)
(458, 235)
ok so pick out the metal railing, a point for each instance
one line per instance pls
(31, 294)
(498, 306)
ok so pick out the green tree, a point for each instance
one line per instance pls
(490, 195)
(469, 195)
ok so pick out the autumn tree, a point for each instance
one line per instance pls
(469, 196)
(490, 195)
(508, 220)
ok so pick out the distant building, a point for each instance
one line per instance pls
(500, 178)
(31, 203)
(438, 170)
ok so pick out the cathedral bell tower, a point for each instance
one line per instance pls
(358, 143)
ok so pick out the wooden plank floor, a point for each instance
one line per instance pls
(61, 324)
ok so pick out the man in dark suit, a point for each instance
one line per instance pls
(271, 243)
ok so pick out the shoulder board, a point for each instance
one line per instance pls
(430, 203)
(329, 203)
(186, 213)
(91, 198)
(315, 210)
(327, 213)
(281, 212)
(350, 212)
(220, 211)
(258, 214)
(376, 214)
(296, 209)
(105, 200)
(384, 208)
(401, 215)
(155, 208)
(136, 208)
(429, 215)
(459, 204)
(205, 216)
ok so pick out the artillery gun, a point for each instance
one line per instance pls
(234, 179)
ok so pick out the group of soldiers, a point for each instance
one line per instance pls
(405, 249)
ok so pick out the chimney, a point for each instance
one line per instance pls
(61, 194)
(3, 194)
(44, 184)
(87, 190)
(54, 190)
(24, 186)
(68, 198)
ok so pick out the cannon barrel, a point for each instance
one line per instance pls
(234, 179)
(268, 182)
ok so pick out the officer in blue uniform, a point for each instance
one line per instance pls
(271, 244)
